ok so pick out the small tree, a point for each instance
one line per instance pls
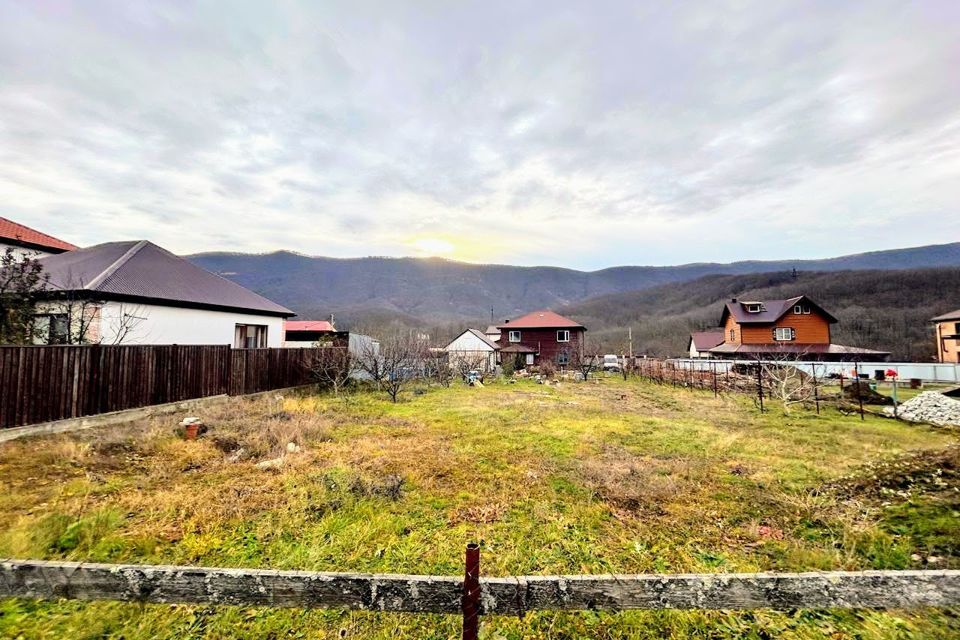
(578, 358)
(402, 357)
(466, 361)
(438, 368)
(334, 367)
(21, 278)
(783, 381)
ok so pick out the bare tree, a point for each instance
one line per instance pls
(84, 321)
(334, 368)
(782, 380)
(438, 368)
(581, 359)
(466, 362)
(402, 357)
(21, 278)
(370, 363)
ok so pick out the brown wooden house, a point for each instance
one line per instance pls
(796, 327)
(947, 330)
(539, 336)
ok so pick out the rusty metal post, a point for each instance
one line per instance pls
(713, 368)
(856, 370)
(816, 389)
(760, 384)
(471, 593)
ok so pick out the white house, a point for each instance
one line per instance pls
(138, 293)
(474, 347)
(702, 341)
(24, 241)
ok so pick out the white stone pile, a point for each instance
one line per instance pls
(931, 407)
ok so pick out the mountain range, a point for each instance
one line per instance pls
(445, 295)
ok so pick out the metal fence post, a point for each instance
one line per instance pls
(760, 385)
(856, 370)
(471, 593)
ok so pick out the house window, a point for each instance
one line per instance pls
(783, 333)
(250, 336)
(956, 328)
(733, 335)
(563, 358)
(514, 336)
(798, 309)
(754, 308)
(563, 336)
(51, 328)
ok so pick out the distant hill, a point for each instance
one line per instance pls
(887, 310)
(434, 292)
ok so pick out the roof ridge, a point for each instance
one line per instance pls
(119, 262)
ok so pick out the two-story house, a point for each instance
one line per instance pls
(539, 336)
(796, 327)
(947, 331)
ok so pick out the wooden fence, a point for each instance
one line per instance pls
(46, 383)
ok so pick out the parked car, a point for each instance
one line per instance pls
(611, 362)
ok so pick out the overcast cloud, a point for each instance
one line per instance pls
(584, 134)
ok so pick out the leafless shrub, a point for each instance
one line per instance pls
(334, 368)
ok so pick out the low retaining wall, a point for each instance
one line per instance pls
(128, 415)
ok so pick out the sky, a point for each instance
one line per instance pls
(580, 134)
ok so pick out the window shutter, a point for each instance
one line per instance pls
(774, 334)
(793, 334)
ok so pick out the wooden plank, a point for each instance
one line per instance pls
(504, 596)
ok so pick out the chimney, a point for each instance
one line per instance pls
(506, 322)
(733, 299)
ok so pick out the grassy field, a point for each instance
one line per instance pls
(586, 478)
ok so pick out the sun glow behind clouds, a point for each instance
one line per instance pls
(433, 247)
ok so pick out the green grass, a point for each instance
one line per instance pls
(615, 476)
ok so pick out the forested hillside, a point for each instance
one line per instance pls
(887, 310)
(430, 291)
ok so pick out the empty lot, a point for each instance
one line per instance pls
(615, 477)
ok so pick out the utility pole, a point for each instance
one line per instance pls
(630, 337)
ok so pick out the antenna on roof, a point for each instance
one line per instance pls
(491, 315)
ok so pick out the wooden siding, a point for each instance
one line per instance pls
(811, 328)
(545, 342)
(731, 325)
(47, 383)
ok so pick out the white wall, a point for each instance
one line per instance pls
(20, 252)
(467, 341)
(470, 347)
(154, 324)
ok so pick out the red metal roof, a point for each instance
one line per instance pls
(543, 319)
(703, 340)
(308, 325)
(20, 234)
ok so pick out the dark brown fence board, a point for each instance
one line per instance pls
(47, 383)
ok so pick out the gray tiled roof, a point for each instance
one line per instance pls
(141, 269)
(772, 310)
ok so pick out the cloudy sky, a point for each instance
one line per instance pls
(584, 134)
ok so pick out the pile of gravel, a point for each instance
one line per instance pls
(929, 406)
